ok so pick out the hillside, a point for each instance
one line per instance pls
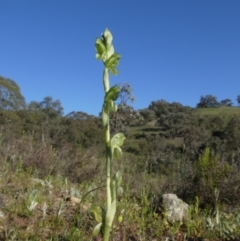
(226, 111)
(50, 162)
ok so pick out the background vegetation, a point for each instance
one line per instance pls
(48, 157)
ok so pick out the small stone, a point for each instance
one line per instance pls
(74, 201)
(175, 208)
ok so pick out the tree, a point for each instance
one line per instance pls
(125, 115)
(126, 94)
(232, 133)
(238, 99)
(79, 115)
(10, 95)
(82, 129)
(46, 117)
(174, 124)
(147, 114)
(50, 107)
(226, 102)
(160, 107)
(208, 101)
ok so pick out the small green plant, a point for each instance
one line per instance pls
(195, 219)
(105, 53)
(222, 224)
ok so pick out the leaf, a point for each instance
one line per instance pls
(97, 229)
(113, 61)
(109, 106)
(100, 48)
(113, 70)
(98, 213)
(117, 151)
(118, 178)
(120, 191)
(117, 139)
(114, 107)
(107, 37)
(111, 213)
(104, 46)
(112, 94)
(110, 52)
(115, 144)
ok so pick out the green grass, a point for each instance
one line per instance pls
(224, 112)
(40, 209)
(227, 111)
(148, 128)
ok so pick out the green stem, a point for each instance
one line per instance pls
(106, 83)
(108, 168)
(107, 230)
(108, 156)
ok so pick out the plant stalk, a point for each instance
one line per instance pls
(105, 53)
(107, 229)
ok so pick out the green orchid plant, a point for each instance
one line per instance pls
(110, 59)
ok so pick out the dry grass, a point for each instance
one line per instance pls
(41, 193)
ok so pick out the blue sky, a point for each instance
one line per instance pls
(175, 50)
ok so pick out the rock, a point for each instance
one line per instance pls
(76, 201)
(175, 208)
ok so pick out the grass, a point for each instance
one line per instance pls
(226, 111)
(36, 209)
(42, 209)
(48, 207)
